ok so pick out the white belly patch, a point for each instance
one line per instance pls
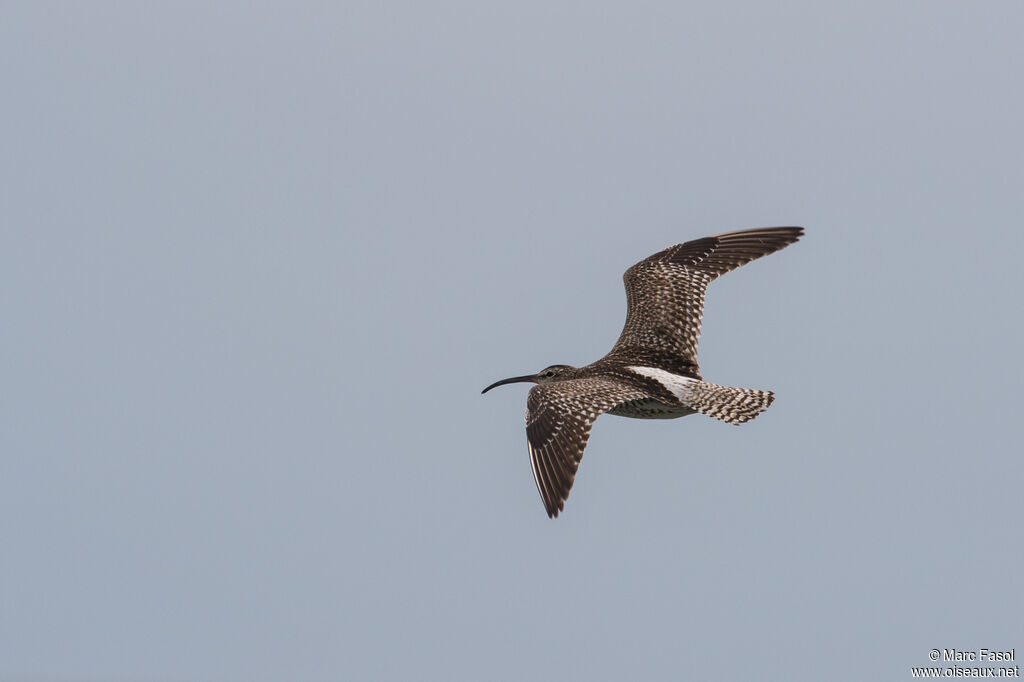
(677, 385)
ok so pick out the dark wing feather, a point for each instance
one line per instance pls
(559, 416)
(665, 294)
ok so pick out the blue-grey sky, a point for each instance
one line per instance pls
(257, 261)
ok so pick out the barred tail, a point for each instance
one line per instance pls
(732, 405)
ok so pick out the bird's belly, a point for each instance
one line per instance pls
(649, 408)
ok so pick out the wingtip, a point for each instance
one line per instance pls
(779, 237)
(793, 230)
(797, 233)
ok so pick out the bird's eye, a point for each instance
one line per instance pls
(549, 373)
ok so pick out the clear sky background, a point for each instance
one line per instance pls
(258, 260)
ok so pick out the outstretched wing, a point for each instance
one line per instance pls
(558, 420)
(665, 294)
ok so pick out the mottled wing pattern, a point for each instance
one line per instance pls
(665, 294)
(558, 420)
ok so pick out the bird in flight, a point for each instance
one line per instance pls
(652, 371)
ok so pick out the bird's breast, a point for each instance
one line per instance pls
(649, 408)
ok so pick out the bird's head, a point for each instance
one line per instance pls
(545, 376)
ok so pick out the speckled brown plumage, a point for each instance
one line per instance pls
(558, 420)
(652, 371)
(665, 295)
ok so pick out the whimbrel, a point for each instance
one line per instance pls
(651, 372)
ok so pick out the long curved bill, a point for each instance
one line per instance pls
(513, 380)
